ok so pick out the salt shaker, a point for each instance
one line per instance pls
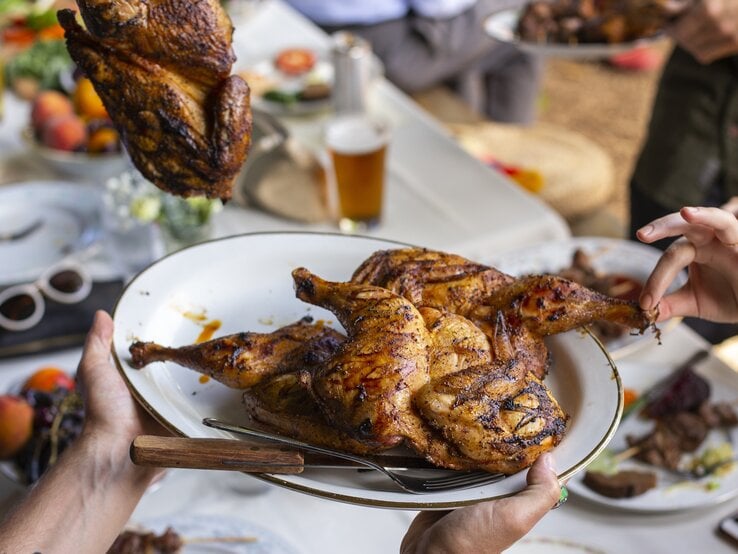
(352, 58)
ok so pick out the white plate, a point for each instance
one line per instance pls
(672, 492)
(608, 256)
(502, 25)
(322, 72)
(207, 526)
(546, 545)
(70, 214)
(245, 282)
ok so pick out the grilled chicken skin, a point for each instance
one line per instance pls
(243, 360)
(161, 68)
(546, 304)
(514, 313)
(458, 379)
(286, 404)
(499, 422)
(367, 387)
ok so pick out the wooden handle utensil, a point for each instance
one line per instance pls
(220, 454)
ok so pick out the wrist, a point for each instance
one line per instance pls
(95, 480)
(109, 464)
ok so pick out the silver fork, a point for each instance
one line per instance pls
(410, 483)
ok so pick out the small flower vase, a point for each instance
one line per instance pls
(184, 222)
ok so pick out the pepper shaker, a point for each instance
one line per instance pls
(352, 58)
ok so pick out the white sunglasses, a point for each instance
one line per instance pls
(23, 306)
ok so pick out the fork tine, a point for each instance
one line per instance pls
(409, 483)
(460, 478)
(462, 481)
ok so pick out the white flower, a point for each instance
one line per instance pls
(146, 208)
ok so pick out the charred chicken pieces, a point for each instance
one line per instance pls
(597, 21)
(442, 355)
(162, 69)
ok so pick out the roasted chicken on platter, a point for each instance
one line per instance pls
(441, 354)
(162, 69)
(597, 21)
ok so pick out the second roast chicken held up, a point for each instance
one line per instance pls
(162, 69)
(448, 360)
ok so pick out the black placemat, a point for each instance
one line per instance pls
(63, 325)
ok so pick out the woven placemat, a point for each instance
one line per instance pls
(289, 182)
(23, 167)
(578, 174)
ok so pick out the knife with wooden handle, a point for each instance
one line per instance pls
(222, 454)
(247, 456)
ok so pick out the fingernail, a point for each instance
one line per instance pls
(690, 210)
(647, 230)
(548, 462)
(646, 302)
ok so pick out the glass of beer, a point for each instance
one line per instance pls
(358, 145)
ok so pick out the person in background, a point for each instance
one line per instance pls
(83, 502)
(424, 43)
(690, 156)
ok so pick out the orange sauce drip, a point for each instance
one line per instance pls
(196, 317)
(204, 379)
(208, 330)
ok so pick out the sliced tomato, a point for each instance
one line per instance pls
(54, 32)
(295, 61)
(18, 36)
(629, 396)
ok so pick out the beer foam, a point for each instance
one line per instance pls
(355, 135)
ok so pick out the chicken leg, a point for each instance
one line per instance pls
(243, 360)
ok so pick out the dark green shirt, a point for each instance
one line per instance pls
(693, 135)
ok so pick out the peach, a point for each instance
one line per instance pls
(49, 104)
(16, 425)
(65, 132)
(86, 100)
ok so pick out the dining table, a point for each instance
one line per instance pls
(437, 196)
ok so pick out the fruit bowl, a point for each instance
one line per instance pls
(39, 419)
(80, 165)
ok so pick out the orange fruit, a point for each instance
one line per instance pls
(87, 102)
(49, 378)
(105, 139)
(16, 425)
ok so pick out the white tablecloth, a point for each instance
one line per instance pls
(438, 197)
(316, 525)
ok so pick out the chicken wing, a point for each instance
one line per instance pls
(545, 304)
(515, 313)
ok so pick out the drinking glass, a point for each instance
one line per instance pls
(358, 147)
